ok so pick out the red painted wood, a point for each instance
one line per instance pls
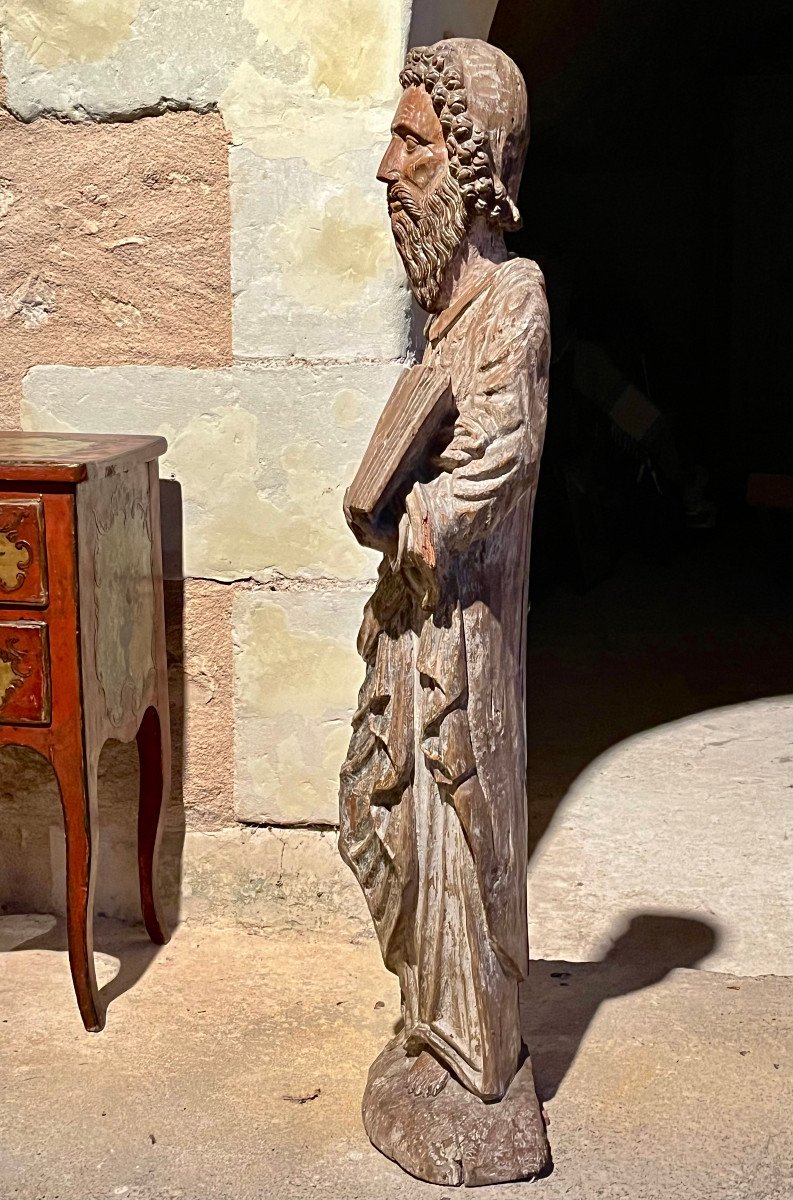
(23, 552)
(75, 706)
(61, 742)
(25, 666)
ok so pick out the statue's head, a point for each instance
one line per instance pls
(456, 155)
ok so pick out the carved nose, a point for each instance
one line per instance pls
(388, 171)
(387, 174)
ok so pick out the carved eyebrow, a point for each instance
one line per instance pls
(401, 129)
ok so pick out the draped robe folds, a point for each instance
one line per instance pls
(433, 817)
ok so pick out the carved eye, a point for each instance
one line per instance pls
(411, 143)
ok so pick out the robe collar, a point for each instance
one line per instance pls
(439, 324)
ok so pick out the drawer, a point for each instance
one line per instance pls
(23, 553)
(24, 673)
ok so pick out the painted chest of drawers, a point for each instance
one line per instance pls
(82, 644)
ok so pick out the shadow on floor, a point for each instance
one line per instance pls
(559, 1000)
(128, 944)
(653, 643)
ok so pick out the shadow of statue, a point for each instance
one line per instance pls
(560, 999)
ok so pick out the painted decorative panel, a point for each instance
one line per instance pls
(24, 673)
(23, 555)
(115, 531)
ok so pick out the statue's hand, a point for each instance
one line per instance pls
(416, 557)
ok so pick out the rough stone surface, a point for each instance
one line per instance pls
(114, 247)
(106, 58)
(314, 251)
(262, 454)
(315, 255)
(285, 879)
(33, 849)
(110, 57)
(232, 1067)
(317, 99)
(275, 879)
(297, 679)
(201, 687)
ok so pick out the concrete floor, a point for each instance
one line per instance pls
(232, 1067)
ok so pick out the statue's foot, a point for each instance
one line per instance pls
(426, 1076)
(448, 1135)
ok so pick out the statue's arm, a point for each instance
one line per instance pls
(494, 455)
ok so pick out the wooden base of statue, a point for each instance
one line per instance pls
(454, 1138)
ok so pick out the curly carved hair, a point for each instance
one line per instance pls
(468, 145)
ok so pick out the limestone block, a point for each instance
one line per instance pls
(111, 57)
(693, 818)
(311, 243)
(297, 676)
(114, 245)
(263, 454)
(273, 879)
(330, 84)
(106, 58)
(316, 255)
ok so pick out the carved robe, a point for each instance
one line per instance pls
(433, 790)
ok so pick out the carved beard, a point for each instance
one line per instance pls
(428, 235)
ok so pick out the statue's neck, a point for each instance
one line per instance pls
(482, 249)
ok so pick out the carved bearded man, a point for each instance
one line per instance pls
(433, 790)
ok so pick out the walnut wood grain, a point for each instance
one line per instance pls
(432, 805)
(410, 421)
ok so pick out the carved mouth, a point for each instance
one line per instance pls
(401, 200)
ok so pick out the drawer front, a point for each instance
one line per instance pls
(23, 553)
(24, 673)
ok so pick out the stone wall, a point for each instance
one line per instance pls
(193, 243)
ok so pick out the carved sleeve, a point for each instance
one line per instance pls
(494, 455)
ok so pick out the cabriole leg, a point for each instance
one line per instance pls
(79, 802)
(154, 755)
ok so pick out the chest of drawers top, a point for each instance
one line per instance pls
(72, 457)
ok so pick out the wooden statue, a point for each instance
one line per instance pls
(433, 791)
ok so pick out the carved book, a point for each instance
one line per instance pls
(419, 405)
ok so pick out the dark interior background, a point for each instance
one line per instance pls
(658, 190)
(657, 198)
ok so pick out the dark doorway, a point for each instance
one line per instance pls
(656, 199)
